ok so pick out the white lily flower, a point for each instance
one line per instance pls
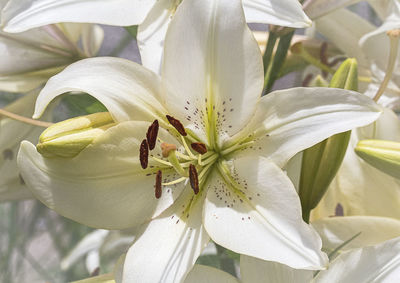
(31, 58)
(153, 17)
(379, 263)
(212, 82)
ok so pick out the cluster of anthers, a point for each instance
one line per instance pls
(184, 164)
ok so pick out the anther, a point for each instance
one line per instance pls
(158, 186)
(194, 180)
(177, 125)
(144, 154)
(199, 147)
(152, 135)
(166, 148)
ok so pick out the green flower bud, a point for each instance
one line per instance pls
(68, 138)
(383, 155)
(321, 162)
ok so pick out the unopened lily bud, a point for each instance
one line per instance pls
(319, 81)
(68, 138)
(383, 155)
(321, 162)
(346, 76)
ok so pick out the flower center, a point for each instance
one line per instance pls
(192, 164)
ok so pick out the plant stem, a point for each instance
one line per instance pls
(279, 58)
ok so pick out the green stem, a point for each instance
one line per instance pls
(269, 49)
(227, 263)
(279, 58)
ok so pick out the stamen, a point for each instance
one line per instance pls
(194, 180)
(394, 46)
(177, 125)
(152, 134)
(166, 148)
(191, 155)
(144, 154)
(177, 181)
(158, 186)
(199, 147)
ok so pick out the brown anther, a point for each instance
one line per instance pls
(194, 179)
(152, 135)
(166, 148)
(158, 186)
(199, 147)
(177, 125)
(144, 154)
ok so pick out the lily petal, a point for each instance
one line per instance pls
(298, 118)
(287, 13)
(168, 247)
(345, 29)
(317, 9)
(104, 186)
(12, 186)
(218, 66)
(263, 218)
(380, 263)
(21, 15)
(334, 231)
(208, 274)
(128, 90)
(261, 271)
(92, 241)
(151, 34)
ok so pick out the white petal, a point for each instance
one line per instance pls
(345, 29)
(287, 13)
(355, 185)
(24, 82)
(90, 242)
(24, 52)
(104, 186)
(207, 274)
(12, 133)
(263, 218)
(21, 15)
(92, 38)
(334, 231)
(316, 9)
(209, 56)
(295, 119)
(128, 90)
(151, 34)
(261, 271)
(169, 246)
(379, 264)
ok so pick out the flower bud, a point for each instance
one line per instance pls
(383, 155)
(321, 162)
(68, 138)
